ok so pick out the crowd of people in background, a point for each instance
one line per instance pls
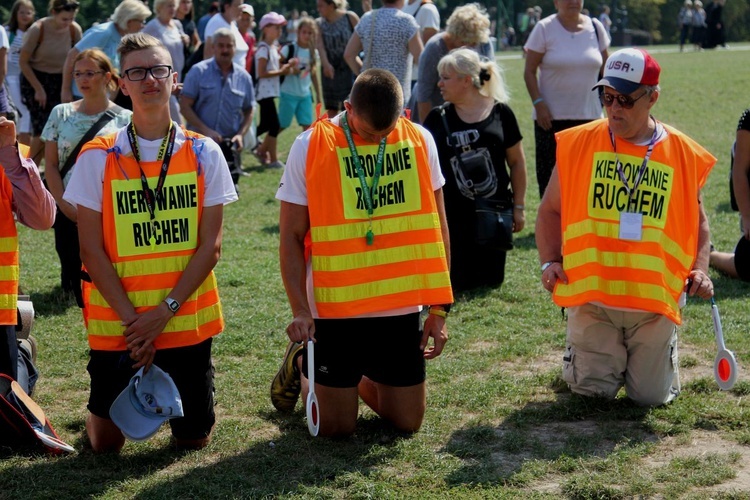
(389, 78)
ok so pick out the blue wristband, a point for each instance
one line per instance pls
(537, 101)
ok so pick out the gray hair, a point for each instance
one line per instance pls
(127, 10)
(223, 33)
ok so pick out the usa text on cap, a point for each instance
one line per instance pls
(628, 69)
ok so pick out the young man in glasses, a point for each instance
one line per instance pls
(150, 201)
(621, 234)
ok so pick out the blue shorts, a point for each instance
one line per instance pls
(294, 106)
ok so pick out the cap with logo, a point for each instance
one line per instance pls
(149, 400)
(627, 69)
(247, 9)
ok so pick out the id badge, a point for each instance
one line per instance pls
(631, 226)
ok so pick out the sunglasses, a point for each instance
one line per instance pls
(158, 72)
(68, 7)
(625, 101)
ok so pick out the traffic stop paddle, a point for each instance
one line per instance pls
(313, 416)
(725, 366)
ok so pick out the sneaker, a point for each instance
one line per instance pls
(276, 164)
(29, 345)
(286, 385)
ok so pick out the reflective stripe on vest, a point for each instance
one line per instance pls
(148, 274)
(9, 269)
(649, 274)
(406, 264)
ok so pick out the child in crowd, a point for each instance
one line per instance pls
(296, 95)
(269, 68)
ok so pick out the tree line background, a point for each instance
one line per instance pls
(657, 17)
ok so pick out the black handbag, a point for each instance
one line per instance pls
(476, 180)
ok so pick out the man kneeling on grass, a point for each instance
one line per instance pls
(367, 187)
(621, 230)
(150, 207)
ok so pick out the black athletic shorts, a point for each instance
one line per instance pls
(386, 350)
(191, 369)
(742, 259)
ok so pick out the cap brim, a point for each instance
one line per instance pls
(622, 86)
(133, 424)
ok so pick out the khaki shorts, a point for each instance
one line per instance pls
(608, 349)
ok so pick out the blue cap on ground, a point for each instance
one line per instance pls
(148, 401)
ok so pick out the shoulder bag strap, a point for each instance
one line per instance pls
(90, 134)
(448, 134)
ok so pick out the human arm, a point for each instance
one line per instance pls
(549, 234)
(325, 64)
(30, 40)
(517, 163)
(700, 283)
(32, 203)
(54, 180)
(416, 46)
(208, 47)
(247, 119)
(315, 83)
(294, 222)
(66, 94)
(351, 53)
(261, 67)
(434, 325)
(543, 115)
(186, 107)
(740, 180)
(142, 332)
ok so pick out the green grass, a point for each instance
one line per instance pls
(499, 423)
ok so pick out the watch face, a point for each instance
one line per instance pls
(173, 305)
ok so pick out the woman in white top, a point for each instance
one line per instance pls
(568, 51)
(21, 16)
(170, 33)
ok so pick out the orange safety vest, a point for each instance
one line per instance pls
(9, 270)
(649, 274)
(406, 264)
(148, 274)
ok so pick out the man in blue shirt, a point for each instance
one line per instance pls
(217, 100)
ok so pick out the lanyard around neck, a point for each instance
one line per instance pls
(165, 154)
(367, 191)
(631, 190)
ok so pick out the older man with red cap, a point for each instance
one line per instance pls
(621, 231)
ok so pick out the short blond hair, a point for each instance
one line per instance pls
(469, 24)
(127, 10)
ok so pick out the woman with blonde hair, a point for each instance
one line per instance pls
(129, 17)
(169, 32)
(68, 125)
(467, 26)
(475, 129)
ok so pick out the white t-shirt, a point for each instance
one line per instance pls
(569, 68)
(427, 17)
(240, 45)
(86, 185)
(267, 87)
(293, 189)
(14, 54)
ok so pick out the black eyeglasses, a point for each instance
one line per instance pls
(625, 101)
(159, 72)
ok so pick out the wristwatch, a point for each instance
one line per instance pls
(547, 264)
(172, 304)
